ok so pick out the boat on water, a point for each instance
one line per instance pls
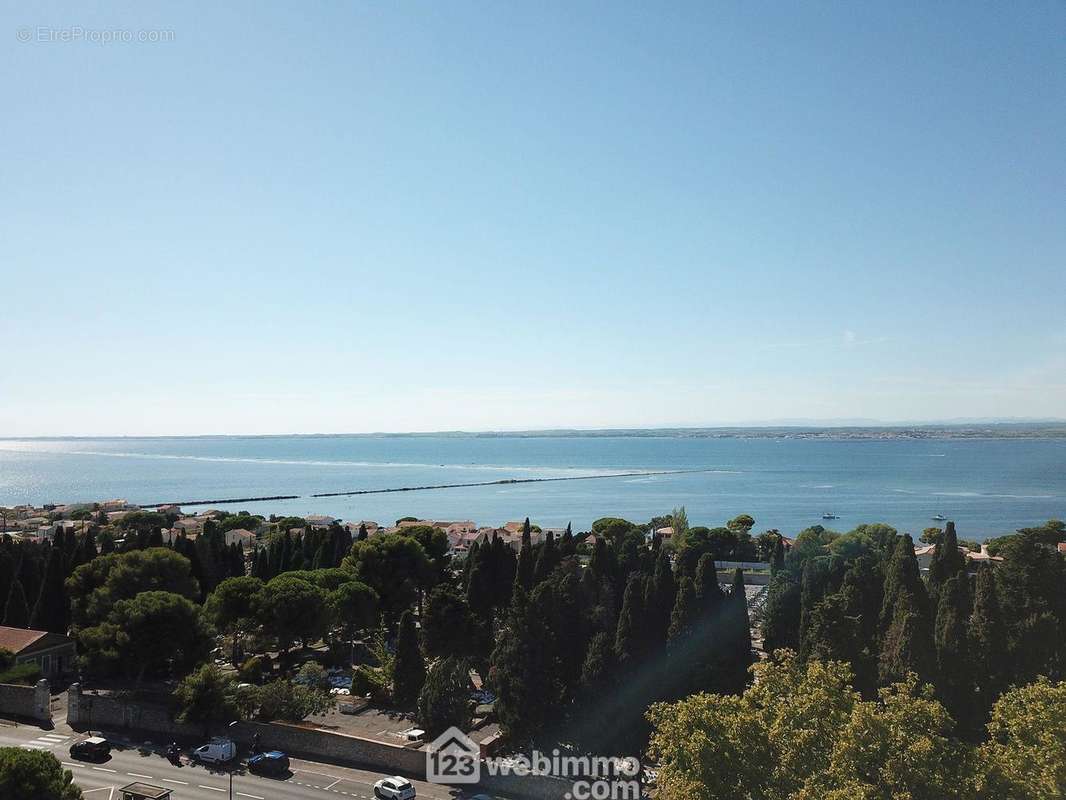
(939, 517)
(827, 515)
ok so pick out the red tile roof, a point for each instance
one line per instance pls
(18, 639)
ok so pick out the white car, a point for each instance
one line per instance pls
(217, 751)
(394, 787)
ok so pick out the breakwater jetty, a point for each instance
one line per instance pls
(432, 487)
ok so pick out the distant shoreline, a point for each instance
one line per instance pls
(960, 431)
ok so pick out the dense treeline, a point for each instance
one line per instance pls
(580, 652)
(860, 598)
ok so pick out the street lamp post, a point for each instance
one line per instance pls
(230, 726)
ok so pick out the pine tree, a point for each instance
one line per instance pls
(409, 668)
(16, 611)
(52, 611)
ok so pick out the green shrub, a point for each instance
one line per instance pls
(22, 674)
(253, 669)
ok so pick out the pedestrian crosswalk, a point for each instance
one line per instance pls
(45, 742)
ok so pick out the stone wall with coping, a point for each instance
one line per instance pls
(26, 702)
(108, 713)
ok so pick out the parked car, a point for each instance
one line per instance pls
(217, 751)
(273, 762)
(394, 788)
(95, 748)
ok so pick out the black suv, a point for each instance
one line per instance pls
(95, 748)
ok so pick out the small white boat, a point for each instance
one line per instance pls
(939, 517)
(827, 515)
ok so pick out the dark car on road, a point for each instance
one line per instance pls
(95, 748)
(273, 762)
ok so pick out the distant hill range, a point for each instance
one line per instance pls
(804, 429)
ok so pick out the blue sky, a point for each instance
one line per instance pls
(425, 216)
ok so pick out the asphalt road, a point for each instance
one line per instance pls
(136, 761)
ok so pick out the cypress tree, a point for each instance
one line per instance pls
(362, 532)
(812, 590)
(600, 565)
(660, 603)
(737, 652)
(524, 573)
(685, 612)
(547, 561)
(708, 589)
(988, 640)
(946, 563)
(16, 610)
(7, 569)
(628, 637)
(954, 676)
(522, 672)
(323, 558)
(31, 579)
(832, 632)
(52, 611)
(777, 557)
(527, 533)
(902, 575)
(908, 642)
(505, 563)
(409, 668)
(479, 590)
(781, 614)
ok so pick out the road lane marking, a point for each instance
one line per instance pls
(253, 796)
(212, 788)
(334, 783)
(139, 775)
(68, 764)
(104, 769)
(171, 780)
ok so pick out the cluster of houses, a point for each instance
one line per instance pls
(41, 523)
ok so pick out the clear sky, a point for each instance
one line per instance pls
(334, 217)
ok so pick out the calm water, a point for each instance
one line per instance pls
(988, 487)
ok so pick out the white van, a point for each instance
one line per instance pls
(216, 751)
